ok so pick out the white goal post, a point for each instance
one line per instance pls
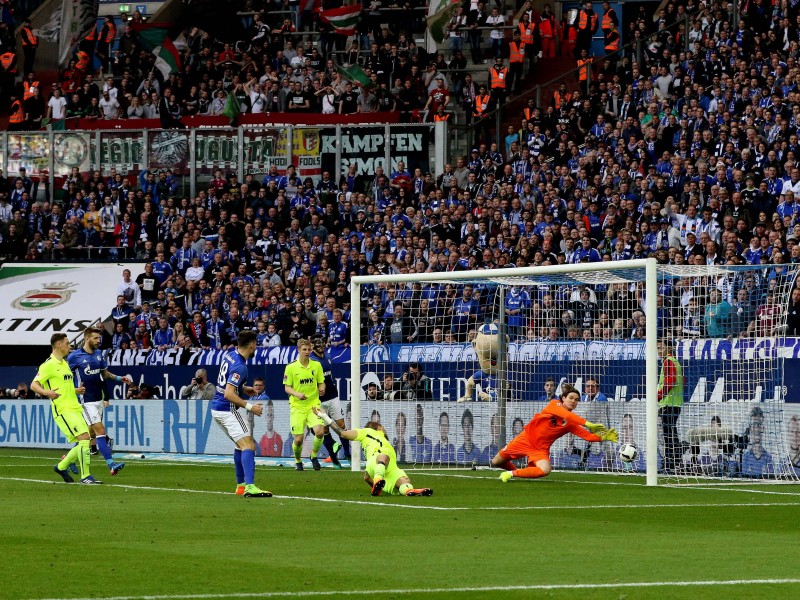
(585, 273)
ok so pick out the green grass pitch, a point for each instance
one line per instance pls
(169, 530)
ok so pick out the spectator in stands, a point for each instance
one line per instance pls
(549, 390)
(400, 328)
(717, 315)
(163, 336)
(415, 384)
(199, 388)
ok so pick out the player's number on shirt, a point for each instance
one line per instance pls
(223, 375)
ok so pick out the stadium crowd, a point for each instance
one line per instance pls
(687, 155)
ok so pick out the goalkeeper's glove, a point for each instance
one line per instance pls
(484, 397)
(610, 436)
(595, 427)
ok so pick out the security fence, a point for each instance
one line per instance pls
(194, 155)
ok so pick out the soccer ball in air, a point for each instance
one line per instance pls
(489, 329)
(628, 453)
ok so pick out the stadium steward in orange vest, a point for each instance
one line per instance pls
(498, 78)
(516, 59)
(29, 45)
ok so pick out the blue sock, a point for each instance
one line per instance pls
(105, 451)
(346, 447)
(249, 465)
(237, 463)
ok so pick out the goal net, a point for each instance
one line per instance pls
(454, 364)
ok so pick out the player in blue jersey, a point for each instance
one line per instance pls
(90, 371)
(330, 401)
(231, 412)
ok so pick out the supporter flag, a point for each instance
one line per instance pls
(54, 124)
(440, 17)
(343, 19)
(231, 107)
(167, 58)
(153, 36)
(355, 74)
(69, 22)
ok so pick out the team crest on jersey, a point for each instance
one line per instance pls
(53, 294)
(235, 378)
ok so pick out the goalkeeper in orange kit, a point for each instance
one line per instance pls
(555, 421)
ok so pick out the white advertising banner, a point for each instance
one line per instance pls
(421, 432)
(38, 300)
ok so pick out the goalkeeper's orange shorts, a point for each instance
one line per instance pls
(520, 446)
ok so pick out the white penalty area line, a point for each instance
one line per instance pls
(428, 507)
(735, 489)
(45, 458)
(744, 487)
(499, 588)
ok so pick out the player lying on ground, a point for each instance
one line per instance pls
(382, 472)
(54, 380)
(556, 420)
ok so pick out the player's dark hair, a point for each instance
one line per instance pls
(467, 416)
(57, 337)
(246, 337)
(567, 389)
(92, 330)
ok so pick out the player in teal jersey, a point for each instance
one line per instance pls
(382, 472)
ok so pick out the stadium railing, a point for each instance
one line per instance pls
(193, 155)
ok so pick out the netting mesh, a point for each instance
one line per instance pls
(504, 346)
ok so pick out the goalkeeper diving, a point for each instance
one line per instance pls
(382, 472)
(556, 420)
